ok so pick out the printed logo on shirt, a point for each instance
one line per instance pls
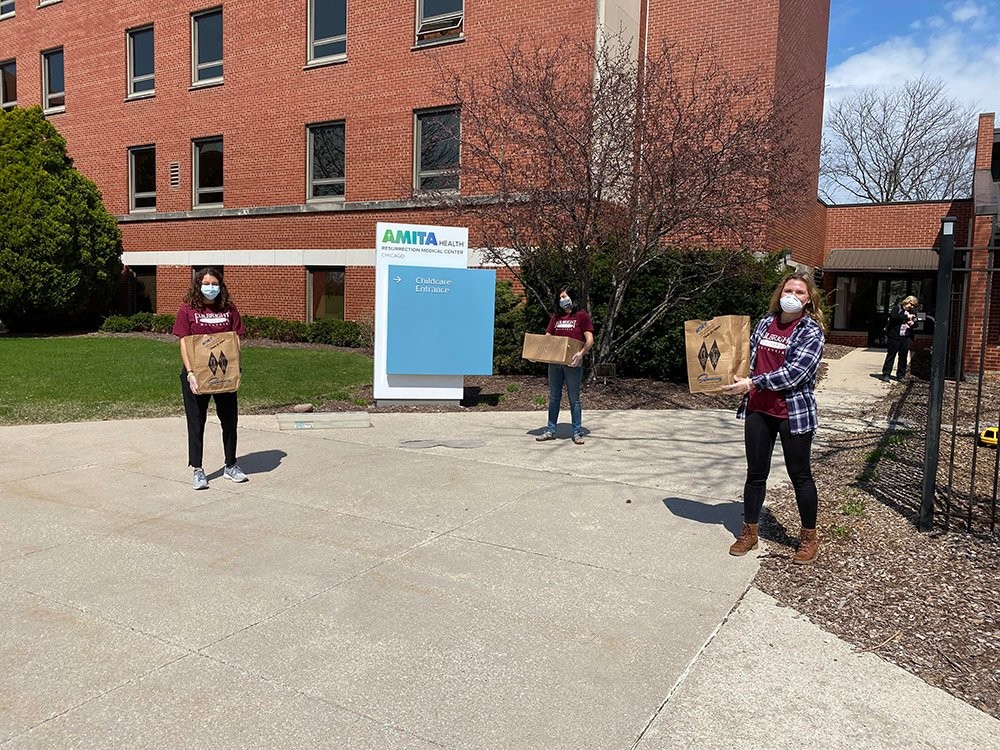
(566, 325)
(211, 319)
(775, 341)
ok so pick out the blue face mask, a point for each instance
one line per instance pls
(565, 303)
(210, 291)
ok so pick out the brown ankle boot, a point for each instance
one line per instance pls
(808, 549)
(746, 541)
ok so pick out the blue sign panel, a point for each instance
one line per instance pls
(440, 321)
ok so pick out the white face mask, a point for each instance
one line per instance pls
(791, 304)
(210, 291)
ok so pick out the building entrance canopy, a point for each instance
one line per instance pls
(881, 260)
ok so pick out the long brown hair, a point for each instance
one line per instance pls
(195, 298)
(812, 307)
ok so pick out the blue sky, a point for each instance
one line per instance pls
(884, 42)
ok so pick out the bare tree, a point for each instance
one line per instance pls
(582, 156)
(903, 144)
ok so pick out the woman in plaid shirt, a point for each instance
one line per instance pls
(780, 401)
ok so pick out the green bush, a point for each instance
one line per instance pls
(512, 315)
(163, 323)
(60, 249)
(117, 324)
(142, 321)
(275, 329)
(335, 332)
(744, 288)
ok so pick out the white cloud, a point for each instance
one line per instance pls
(967, 11)
(967, 62)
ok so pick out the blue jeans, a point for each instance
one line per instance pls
(572, 376)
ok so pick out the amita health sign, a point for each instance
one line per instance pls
(433, 315)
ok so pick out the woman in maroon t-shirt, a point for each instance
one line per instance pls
(207, 308)
(568, 320)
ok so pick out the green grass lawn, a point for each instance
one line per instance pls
(68, 379)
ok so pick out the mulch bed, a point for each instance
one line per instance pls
(929, 603)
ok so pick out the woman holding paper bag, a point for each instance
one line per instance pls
(207, 308)
(568, 320)
(780, 401)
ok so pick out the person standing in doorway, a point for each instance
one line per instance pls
(780, 401)
(898, 332)
(208, 308)
(568, 320)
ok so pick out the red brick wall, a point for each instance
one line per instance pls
(784, 42)
(892, 225)
(984, 141)
(172, 283)
(267, 99)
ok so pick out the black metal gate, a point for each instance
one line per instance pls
(962, 461)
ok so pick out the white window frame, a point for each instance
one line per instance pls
(451, 26)
(47, 107)
(132, 193)
(196, 202)
(4, 102)
(132, 78)
(196, 64)
(311, 181)
(10, 5)
(314, 42)
(43, 3)
(418, 174)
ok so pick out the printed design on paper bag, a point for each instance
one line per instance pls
(218, 364)
(712, 355)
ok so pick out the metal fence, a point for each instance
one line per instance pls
(961, 460)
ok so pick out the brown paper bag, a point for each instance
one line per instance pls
(718, 352)
(215, 360)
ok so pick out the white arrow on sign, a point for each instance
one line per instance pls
(397, 279)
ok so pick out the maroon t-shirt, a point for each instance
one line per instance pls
(573, 325)
(770, 357)
(192, 321)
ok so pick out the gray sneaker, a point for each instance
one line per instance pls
(200, 481)
(235, 473)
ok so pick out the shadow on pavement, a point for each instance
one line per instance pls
(729, 515)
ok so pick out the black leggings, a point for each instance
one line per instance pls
(196, 411)
(759, 434)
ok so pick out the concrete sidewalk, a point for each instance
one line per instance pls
(360, 592)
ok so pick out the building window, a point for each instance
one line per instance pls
(327, 29)
(206, 47)
(439, 20)
(142, 178)
(53, 81)
(436, 153)
(6, 8)
(141, 287)
(140, 62)
(43, 3)
(8, 84)
(208, 172)
(326, 161)
(326, 294)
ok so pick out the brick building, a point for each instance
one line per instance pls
(875, 254)
(267, 139)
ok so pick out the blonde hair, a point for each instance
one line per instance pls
(812, 308)
(911, 300)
